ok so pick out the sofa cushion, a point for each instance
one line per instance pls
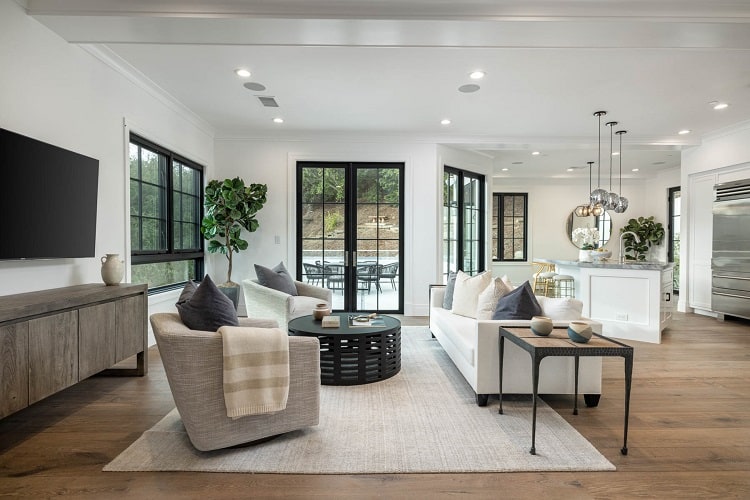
(449, 289)
(302, 305)
(277, 278)
(488, 298)
(466, 294)
(206, 307)
(459, 331)
(561, 308)
(518, 304)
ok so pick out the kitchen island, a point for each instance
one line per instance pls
(632, 300)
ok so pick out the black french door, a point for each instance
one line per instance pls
(350, 233)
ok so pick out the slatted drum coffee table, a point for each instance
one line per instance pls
(558, 344)
(352, 355)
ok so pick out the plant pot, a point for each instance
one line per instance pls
(579, 331)
(320, 311)
(541, 325)
(232, 291)
(584, 256)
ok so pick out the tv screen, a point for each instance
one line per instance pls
(47, 200)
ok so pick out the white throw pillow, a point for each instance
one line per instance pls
(487, 300)
(561, 308)
(507, 282)
(466, 293)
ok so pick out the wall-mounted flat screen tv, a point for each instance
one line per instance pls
(48, 199)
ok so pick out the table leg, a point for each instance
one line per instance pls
(628, 379)
(535, 382)
(501, 352)
(575, 401)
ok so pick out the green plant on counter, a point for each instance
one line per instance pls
(649, 233)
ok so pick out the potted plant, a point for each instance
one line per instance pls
(230, 206)
(649, 233)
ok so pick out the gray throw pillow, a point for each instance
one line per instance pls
(206, 307)
(450, 287)
(277, 278)
(518, 304)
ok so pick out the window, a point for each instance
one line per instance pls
(166, 200)
(673, 250)
(509, 227)
(463, 221)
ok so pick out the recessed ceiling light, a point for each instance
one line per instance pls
(242, 72)
(720, 105)
(635, 169)
(569, 169)
(445, 121)
(468, 88)
(504, 169)
(535, 153)
(517, 163)
(476, 75)
(684, 131)
(278, 120)
(615, 153)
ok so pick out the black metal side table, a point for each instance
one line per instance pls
(558, 344)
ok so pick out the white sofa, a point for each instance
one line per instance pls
(473, 347)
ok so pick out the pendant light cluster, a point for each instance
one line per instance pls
(600, 199)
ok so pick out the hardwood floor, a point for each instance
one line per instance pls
(689, 436)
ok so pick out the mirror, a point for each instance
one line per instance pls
(602, 222)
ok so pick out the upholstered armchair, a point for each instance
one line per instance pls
(193, 362)
(265, 302)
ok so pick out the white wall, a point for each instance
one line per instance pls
(61, 94)
(273, 162)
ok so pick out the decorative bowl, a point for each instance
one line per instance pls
(541, 325)
(579, 331)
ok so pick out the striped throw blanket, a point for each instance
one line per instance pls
(256, 370)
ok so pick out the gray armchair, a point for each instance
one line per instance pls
(264, 302)
(193, 364)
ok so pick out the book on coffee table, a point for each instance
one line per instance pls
(330, 322)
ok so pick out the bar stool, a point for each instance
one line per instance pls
(543, 275)
(564, 286)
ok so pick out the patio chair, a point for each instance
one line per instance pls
(314, 273)
(369, 274)
(390, 271)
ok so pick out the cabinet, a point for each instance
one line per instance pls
(52, 339)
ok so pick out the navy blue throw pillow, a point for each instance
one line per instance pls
(518, 304)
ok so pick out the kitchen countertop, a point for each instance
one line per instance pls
(612, 264)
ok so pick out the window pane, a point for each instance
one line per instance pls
(163, 273)
(389, 182)
(133, 155)
(154, 234)
(153, 201)
(333, 185)
(367, 185)
(135, 197)
(312, 185)
(150, 165)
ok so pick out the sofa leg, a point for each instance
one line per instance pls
(592, 400)
(482, 399)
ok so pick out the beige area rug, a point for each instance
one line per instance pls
(424, 419)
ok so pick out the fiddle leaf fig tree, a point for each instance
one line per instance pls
(230, 207)
(649, 233)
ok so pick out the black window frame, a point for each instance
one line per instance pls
(498, 202)
(460, 225)
(671, 216)
(170, 253)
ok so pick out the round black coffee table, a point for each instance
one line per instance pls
(351, 355)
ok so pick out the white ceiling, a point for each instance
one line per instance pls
(386, 69)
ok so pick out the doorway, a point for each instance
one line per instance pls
(350, 233)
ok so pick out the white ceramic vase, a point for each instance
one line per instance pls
(112, 269)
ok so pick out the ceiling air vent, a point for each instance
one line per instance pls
(268, 102)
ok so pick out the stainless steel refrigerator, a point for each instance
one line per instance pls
(730, 262)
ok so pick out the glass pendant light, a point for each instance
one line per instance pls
(585, 210)
(611, 200)
(598, 195)
(622, 203)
